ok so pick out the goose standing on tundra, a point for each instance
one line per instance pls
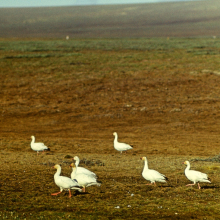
(38, 146)
(82, 169)
(195, 176)
(120, 146)
(152, 175)
(84, 180)
(65, 183)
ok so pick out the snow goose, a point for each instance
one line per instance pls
(83, 179)
(82, 169)
(152, 175)
(120, 146)
(65, 183)
(38, 146)
(195, 176)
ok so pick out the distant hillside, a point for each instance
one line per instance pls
(180, 19)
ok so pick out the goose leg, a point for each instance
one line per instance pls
(199, 186)
(54, 194)
(149, 184)
(70, 194)
(191, 184)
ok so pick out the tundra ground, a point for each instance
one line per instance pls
(161, 96)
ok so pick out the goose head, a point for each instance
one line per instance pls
(57, 166)
(115, 133)
(76, 158)
(72, 165)
(186, 162)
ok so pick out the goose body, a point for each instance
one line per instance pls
(120, 146)
(82, 169)
(152, 175)
(84, 180)
(65, 183)
(38, 146)
(195, 176)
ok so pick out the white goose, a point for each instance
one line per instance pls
(83, 179)
(82, 169)
(195, 176)
(38, 146)
(65, 183)
(120, 146)
(152, 175)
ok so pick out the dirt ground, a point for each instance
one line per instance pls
(165, 105)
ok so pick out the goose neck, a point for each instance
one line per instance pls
(58, 172)
(116, 138)
(33, 139)
(77, 163)
(187, 167)
(74, 170)
(145, 164)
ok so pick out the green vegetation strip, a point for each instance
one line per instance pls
(110, 44)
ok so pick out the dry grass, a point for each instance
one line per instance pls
(74, 103)
(27, 182)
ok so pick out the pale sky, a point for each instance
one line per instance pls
(41, 3)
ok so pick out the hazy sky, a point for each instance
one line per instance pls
(39, 3)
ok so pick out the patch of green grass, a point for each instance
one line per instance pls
(41, 55)
(205, 45)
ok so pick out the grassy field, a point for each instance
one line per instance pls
(161, 95)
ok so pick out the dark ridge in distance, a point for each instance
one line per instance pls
(170, 19)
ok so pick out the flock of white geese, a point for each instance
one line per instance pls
(81, 177)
